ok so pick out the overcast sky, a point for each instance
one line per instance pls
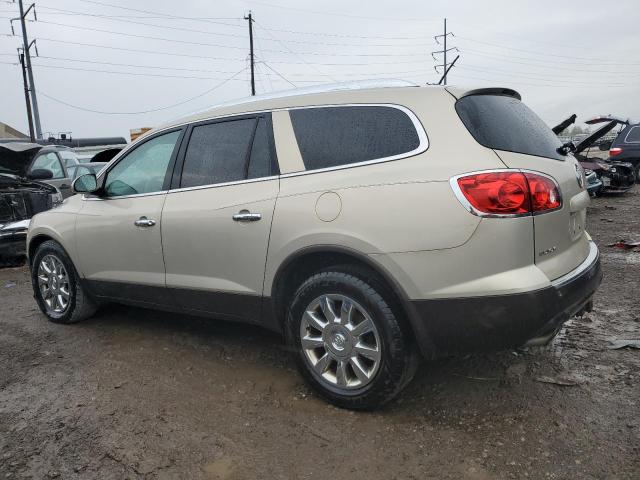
(563, 57)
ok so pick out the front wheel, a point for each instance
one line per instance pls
(347, 341)
(56, 286)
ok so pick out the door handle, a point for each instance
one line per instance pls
(64, 186)
(246, 216)
(144, 222)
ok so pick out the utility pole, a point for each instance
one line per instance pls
(26, 97)
(251, 55)
(444, 51)
(27, 57)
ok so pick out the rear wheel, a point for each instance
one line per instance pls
(348, 343)
(56, 286)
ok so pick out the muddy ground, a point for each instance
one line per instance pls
(139, 394)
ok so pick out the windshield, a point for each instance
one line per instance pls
(505, 123)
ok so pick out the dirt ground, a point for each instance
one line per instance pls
(140, 394)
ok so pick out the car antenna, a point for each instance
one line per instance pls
(444, 75)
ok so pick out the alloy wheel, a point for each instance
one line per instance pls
(340, 341)
(53, 283)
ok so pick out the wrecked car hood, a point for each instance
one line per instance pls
(607, 118)
(595, 136)
(16, 157)
(562, 126)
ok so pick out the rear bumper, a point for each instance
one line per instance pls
(505, 321)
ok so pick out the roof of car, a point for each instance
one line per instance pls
(368, 91)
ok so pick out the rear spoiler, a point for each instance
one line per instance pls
(504, 92)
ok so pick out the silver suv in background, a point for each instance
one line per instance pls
(369, 225)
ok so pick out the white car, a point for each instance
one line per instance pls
(369, 225)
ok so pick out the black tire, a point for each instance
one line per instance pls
(399, 357)
(637, 171)
(80, 305)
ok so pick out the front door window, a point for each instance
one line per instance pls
(144, 170)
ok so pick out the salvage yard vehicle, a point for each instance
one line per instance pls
(615, 175)
(46, 163)
(20, 199)
(626, 147)
(368, 224)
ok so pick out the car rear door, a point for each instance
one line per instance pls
(523, 141)
(216, 222)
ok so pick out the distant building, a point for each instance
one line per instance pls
(136, 132)
(7, 131)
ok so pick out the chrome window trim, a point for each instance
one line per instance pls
(225, 184)
(590, 260)
(422, 146)
(629, 133)
(453, 181)
(93, 198)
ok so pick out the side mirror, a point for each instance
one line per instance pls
(40, 174)
(85, 184)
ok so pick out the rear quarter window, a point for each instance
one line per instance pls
(633, 135)
(336, 136)
(505, 123)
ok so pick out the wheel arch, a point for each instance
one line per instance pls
(304, 262)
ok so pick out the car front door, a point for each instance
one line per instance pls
(216, 222)
(118, 231)
(51, 162)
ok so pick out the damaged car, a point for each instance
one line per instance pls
(615, 176)
(22, 194)
(626, 146)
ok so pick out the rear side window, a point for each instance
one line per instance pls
(336, 136)
(505, 123)
(633, 135)
(227, 151)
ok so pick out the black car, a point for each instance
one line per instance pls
(626, 147)
(22, 195)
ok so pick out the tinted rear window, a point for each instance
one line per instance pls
(505, 123)
(335, 136)
(633, 135)
(227, 151)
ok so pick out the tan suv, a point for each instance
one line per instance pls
(368, 225)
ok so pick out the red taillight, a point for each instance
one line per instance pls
(509, 193)
(544, 193)
(615, 151)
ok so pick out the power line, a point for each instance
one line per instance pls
(528, 75)
(208, 57)
(208, 32)
(290, 74)
(187, 42)
(136, 50)
(135, 74)
(537, 61)
(126, 20)
(344, 15)
(166, 107)
(340, 35)
(545, 54)
(304, 61)
(165, 15)
(278, 74)
(518, 82)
